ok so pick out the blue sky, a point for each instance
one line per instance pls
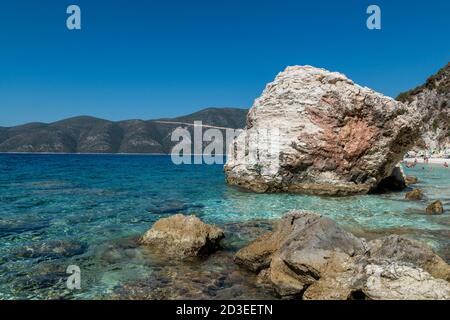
(150, 59)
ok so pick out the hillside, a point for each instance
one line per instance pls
(86, 134)
(434, 98)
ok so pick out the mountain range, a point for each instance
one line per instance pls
(86, 134)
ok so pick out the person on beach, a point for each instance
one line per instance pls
(445, 164)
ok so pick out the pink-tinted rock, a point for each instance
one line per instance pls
(334, 136)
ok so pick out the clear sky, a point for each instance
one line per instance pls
(150, 59)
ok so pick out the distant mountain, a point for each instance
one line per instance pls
(92, 135)
(433, 97)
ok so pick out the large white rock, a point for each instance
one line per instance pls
(314, 131)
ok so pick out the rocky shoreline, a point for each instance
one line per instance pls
(332, 138)
(308, 256)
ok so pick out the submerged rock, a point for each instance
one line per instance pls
(183, 236)
(258, 254)
(54, 249)
(216, 277)
(171, 207)
(26, 224)
(435, 208)
(415, 194)
(298, 250)
(334, 137)
(315, 259)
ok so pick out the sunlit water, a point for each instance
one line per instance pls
(97, 204)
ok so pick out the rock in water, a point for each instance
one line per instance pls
(298, 251)
(435, 208)
(316, 132)
(411, 180)
(415, 194)
(183, 236)
(403, 250)
(53, 249)
(308, 256)
(395, 182)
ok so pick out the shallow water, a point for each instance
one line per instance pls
(57, 210)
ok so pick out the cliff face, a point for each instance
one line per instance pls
(433, 98)
(91, 135)
(335, 137)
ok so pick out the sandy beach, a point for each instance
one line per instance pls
(430, 160)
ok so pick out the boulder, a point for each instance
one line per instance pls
(435, 208)
(309, 249)
(182, 236)
(316, 132)
(313, 258)
(400, 249)
(258, 254)
(388, 281)
(410, 180)
(415, 194)
(402, 282)
(286, 282)
(298, 251)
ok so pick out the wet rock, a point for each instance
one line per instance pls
(183, 236)
(285, 281)
(54, 249)
(298, 250)
(410, 180)
(318, 260)
(415, 194)
(339, 281)
(334, 137)
(258, 254)
(435, 208)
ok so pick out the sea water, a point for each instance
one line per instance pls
(85, 210)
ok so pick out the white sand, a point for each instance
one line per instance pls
(430, 160)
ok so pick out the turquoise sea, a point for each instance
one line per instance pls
(88, 210)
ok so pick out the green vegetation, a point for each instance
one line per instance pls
(440, 82)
